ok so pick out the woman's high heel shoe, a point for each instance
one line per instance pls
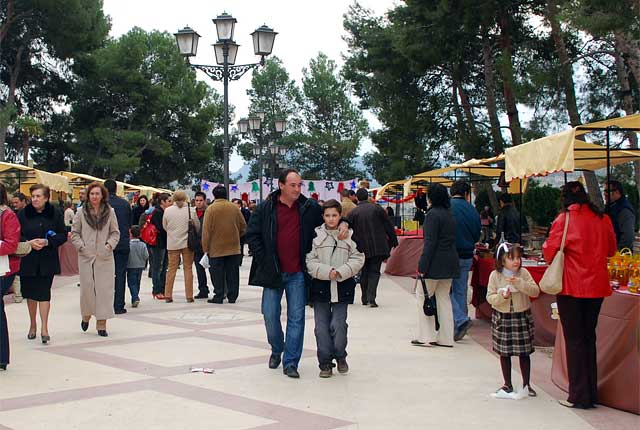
(45, 339)
(103, 333)
(31, 335)
(84, 325)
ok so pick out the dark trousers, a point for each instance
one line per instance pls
(369, 278)
(134, 276)
(121, 258)
(227, 269)
(159, 263)
(579, 318)
(331, 332)
(5, 284)
(201, 274)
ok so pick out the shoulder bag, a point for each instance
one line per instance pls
(429, 306)
(192, 236)
(551, 282)
(149, 232)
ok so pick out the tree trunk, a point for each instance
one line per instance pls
(462, 131)
(630, 50)
(627, 104)
(25, 148)
(508, 81)
(11, 98)
(490, 89)
(472, 147)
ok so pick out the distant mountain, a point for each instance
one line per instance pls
(243, 172)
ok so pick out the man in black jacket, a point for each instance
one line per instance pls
(121, 252)
(375, 236)
(201, 206)
(279, 235)
(508, 220)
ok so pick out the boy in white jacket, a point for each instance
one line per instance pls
(332, 263)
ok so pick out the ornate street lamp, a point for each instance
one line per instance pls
(226, 50)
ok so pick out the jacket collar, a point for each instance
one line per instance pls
(30, 212)
(275, 198)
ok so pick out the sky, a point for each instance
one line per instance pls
(304, 29)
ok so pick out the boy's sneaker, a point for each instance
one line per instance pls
(326, 372)
(343, 367)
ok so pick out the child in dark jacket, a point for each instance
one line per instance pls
(332, 263)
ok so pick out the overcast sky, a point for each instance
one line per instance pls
(304, 28)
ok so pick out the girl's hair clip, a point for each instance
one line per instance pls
(504, 247)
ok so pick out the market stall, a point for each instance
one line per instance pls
(25, 176)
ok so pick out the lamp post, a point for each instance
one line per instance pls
(253, 126)
(226, 51)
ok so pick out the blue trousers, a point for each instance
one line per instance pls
(331, 332)
(121, 259)
(134, 277)
(5, 284)
(296, 294)
(159, 262)
(459, 294)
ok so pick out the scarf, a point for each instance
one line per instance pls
(98, 221)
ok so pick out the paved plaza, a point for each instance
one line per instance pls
(139, 377)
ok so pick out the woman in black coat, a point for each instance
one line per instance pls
(43, 227)
(141, 206)
(438, 266)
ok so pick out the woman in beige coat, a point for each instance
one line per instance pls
(95, 234)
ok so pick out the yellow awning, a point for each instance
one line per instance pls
(35, 176)
(561, 152)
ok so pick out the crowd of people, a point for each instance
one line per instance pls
(314, 253)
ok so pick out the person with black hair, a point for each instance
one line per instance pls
(158, 257)
(140, 207)
(375, 236)
(622, 214)
(18, 202)
(223, 226)
(589, 242)
(467, 234)
(508, 220)
(200, 203)
(280, 234)
(438, 265)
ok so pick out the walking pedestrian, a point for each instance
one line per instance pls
(279, 235)
(176, 221)
(95, 235)
(138, 209)
(375, 236)
(43, 226)
(200, 202)
(9, 239)
(138, 259)
(122, 210)
(222, 229)
(438, 266)
(158, 255)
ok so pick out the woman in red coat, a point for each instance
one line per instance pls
(585, 284)
(9, 238)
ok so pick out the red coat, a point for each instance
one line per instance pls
(590, 240)
(10, 238)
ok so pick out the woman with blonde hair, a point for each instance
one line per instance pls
(176, 221)
(95, 234)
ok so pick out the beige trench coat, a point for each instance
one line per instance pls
(96, 264)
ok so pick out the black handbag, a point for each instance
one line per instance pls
(192, 236)
(429, 306)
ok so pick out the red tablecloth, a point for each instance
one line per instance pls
(545, 327)
(618, 346)
(404, 257)
(68, 259)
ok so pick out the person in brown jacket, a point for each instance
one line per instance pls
(222, 228)
(95, 234)
(346, 203)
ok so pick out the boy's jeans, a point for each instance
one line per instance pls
(459, 294)
(296, 293)
(331, 332)
(133, 280)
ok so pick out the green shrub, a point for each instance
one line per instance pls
(542, 204)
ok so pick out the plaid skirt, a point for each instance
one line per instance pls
(512, 333)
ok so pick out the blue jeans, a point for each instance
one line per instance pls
(133, 280)
(331, 332)
(121, 258)
(459, 294)
(5, 284)
(159, 259)
(296, 293)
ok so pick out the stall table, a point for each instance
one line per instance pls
(404, 258)
(618, 346)
(545, 327)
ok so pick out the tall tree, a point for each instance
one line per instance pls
(139, 113)
(39, 38)
(334, 126)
